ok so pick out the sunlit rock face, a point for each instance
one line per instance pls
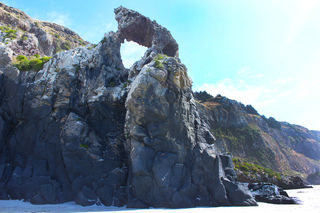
(29, 36)
(86, 129)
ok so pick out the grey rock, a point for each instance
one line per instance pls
(133, 26)
(34, 36)
(269, 193)
(183, 156)
(86, 197)
(73, 131)
(241, 131)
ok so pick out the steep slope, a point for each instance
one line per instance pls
(27, 36)
(240, 130)
(86, 129)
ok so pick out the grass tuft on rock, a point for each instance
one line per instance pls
(158, 61)
(8, 33)
(35, 63)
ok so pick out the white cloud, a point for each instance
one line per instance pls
(131, 52)
(236, 90)
(59, 18)
(295, 99)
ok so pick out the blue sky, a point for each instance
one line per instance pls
(265, 53)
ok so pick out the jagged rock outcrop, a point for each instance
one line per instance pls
(172, 158)
(133, 26)
(27, 36)
(84, 129)
(63, 129)
(269, 193)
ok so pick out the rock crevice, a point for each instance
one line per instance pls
(86, 129)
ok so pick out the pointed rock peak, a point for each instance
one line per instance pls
(135, 27)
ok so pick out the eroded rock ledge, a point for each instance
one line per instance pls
(80, 130)
(133, 26)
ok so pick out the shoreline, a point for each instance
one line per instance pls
(308, 197)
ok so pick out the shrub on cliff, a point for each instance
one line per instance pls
(8, 33)
(254, 170)
(35, 63)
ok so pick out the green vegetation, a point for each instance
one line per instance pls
(160, 57)
(237, 134)
(35, 63)
(158, 61)
(8, 33)
(92, 46)
(24, 38)
(56, 35)
(84, 146)
(82, 43)
(246, 141)
(254, 170)
(126, 84)
(21, 57)
(103, 40)
(66, 45)
(61, 45)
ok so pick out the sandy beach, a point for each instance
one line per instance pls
(309, 204)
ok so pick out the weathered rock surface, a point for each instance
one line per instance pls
(269, 193)
(133, 26)
(62, 135)
(80, 130)
(172, 158)
(33, 36)
(285, 182)
(245, 134)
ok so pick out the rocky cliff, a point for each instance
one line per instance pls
(27, 36)
(247, 135)
(86, 129)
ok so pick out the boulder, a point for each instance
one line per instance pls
(270, 193)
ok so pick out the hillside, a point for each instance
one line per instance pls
(247, 135)
(28, 36)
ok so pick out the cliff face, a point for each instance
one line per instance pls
(84, 128)
(244, 133)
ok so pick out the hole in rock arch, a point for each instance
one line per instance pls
(131, 52)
